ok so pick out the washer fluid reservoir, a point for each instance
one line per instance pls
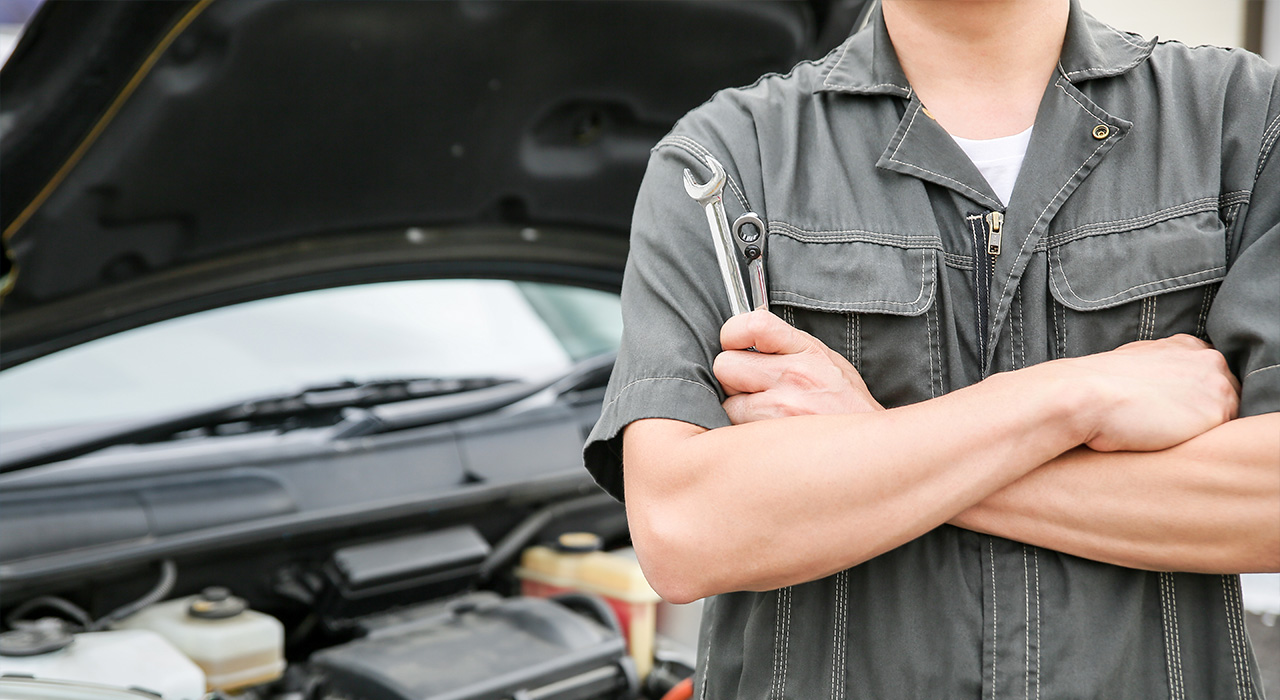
(120, 659)
(235, 646)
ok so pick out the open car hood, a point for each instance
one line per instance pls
(154, 150)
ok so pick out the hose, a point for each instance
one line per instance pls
(682, 691)
(17, 615)
(168, 576)
(508, 547)
(593, 605)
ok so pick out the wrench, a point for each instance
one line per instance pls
(751, 234)
(708, 195)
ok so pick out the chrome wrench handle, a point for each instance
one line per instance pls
(708, 195)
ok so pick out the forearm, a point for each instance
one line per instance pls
(771, 503)
(1211, 504)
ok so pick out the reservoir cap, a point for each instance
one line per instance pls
(579, 542)
(216, 603)
(35, 638)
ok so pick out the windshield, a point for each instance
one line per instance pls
(419, 328)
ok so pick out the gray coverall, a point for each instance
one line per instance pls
(1148, 205)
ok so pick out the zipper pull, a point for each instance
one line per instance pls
(995, 222)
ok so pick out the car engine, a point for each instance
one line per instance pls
(541, 613)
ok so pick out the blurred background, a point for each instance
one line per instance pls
(1248, 24)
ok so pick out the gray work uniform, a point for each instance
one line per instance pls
(1148, 205)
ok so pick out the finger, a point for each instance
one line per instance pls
(765, 332)
(746, 408)
(750, 372)
(740, 371)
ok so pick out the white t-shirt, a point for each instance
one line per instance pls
(999, 160)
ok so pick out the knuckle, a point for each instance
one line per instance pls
(757, 322)
(738, 408)
(1188, 339)
(793, 406)
(1215, 362)
(1220, 361)
(800, 376)
(791, 375)
(730, 331)
(814, 345)
(723, 365)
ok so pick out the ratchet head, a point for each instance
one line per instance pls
(750, 233)
(711, 188)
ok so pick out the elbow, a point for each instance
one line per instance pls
(669, 507)
(667, 553)
(676, 590)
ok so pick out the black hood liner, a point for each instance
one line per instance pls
(266, 121)
(50, 99)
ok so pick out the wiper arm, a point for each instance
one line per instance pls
(314, 400)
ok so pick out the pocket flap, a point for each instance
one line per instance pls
(1099, 271)
(839, 274)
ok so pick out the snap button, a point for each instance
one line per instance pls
(1101, 131)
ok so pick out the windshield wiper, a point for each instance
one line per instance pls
(351, 408)
(591, 372)
(312, 406)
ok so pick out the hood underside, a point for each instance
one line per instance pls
(141, 139)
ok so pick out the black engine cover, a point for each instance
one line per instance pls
(481, 646)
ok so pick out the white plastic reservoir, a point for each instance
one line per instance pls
(124, 659)
(236, 647)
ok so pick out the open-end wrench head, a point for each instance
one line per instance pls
(709, 189)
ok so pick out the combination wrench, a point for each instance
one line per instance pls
(747, 226)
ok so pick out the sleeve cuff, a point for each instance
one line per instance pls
(655, 397)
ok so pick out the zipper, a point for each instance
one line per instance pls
(988, 236)
(995, 232)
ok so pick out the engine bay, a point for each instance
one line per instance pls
(467, 559)
(555, 607)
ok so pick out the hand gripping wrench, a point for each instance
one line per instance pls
(708, 195)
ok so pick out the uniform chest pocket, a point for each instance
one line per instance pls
(869, 296)
(1138, 284)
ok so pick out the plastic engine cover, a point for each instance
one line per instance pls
(483, 647)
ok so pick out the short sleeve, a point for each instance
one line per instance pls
(673, 304)
(1244, 321)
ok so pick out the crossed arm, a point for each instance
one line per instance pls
(1130, 457)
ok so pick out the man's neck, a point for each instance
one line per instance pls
(979, 66)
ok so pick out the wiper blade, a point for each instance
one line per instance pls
(346, 394)
(324, 401)
(593, 371)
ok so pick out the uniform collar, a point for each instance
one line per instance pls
(1096, 50)
(866, 63)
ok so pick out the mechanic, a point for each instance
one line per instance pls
(1043, 433)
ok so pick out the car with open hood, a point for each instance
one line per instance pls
(308, 308)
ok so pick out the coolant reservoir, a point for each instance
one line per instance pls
(235, 646)
(576, 564)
